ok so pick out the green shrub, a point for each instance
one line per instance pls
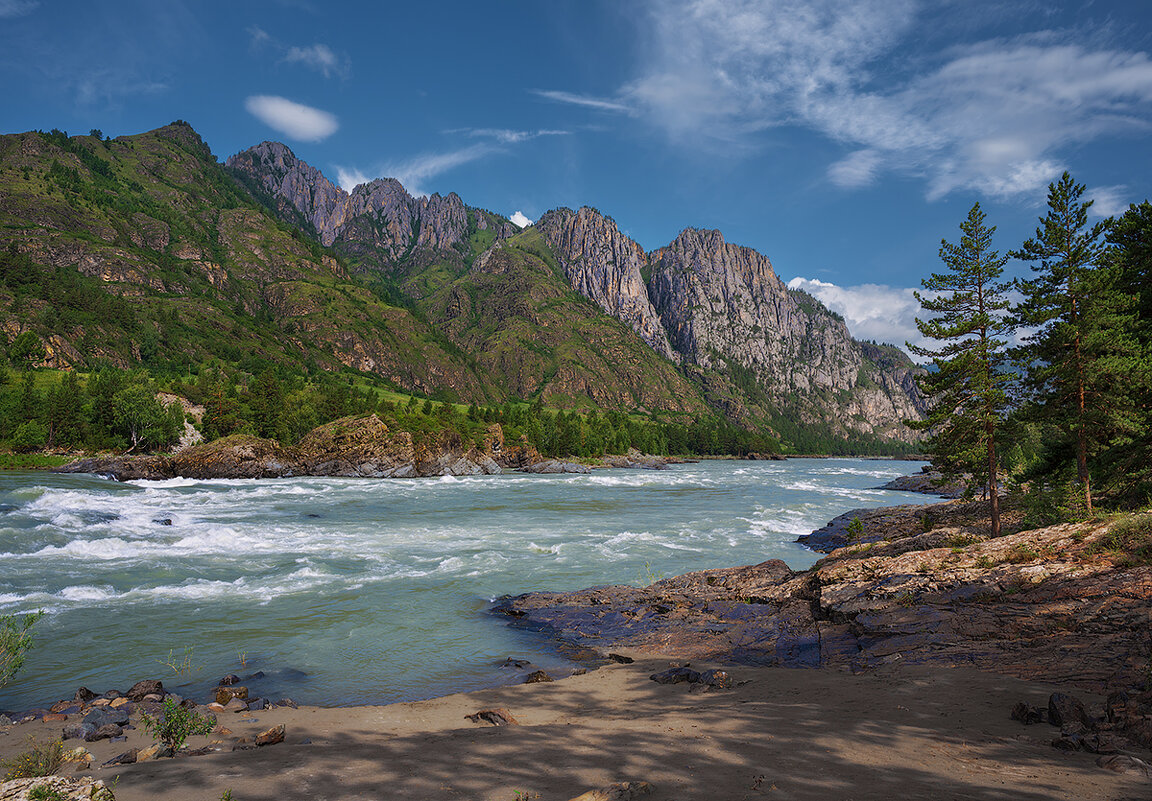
(1047, 505)
(855, 529)
(176, 724)
(42, 792)
(1020, 553)
(15, 640)
(29, 436)
(41, 759)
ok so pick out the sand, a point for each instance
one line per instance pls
(899, 732)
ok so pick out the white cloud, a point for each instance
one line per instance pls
(508, 136)
(519, 220)
(294, 120)
(588, 101)
(855, 170)
(872, 311)
(1109, 201)
(320, 58)
(9, 9)
(414, 172)
(992, 116)
(349, 179)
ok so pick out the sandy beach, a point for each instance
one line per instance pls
(898, 731)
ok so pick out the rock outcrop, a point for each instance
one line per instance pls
(605, 266)
(1043, 605)
(356, 447)
(378, 216)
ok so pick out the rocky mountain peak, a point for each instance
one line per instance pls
(605, 266)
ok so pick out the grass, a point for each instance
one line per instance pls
(961, 540)
(31, 461)
(1018, 554)
(1128, 540)
(41, 759)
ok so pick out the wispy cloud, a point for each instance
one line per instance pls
(294, 120)
(318, 56)
(10, 9)
(588, 101)
(414, 172)
(994, 116)
(1109, 201)
(507, 136)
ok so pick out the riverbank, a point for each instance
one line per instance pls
(898, 731)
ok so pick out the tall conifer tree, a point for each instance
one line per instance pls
(1062, 303)
(967, 389)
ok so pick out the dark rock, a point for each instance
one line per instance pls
(623, 660)
(84, 695)
(6, 721)
(537, 677)
(259, 674)
(716, 678)
(236, 705)
(122, 468)
(140, 689)
(1068, 713)
(106, 715)
(163, 521)
(552, 466)
(65, 708)
(126, 758)
(620, 791)
(1120, 711)
(272, 736)
(105, 732)
(676, 675)
(288, 702)
(1027, 714)
(32, 715)
(79, 731)
(229, 680)
(497, 717)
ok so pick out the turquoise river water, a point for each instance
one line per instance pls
(354, 591)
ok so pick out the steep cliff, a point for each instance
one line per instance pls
(723, 306)
(605, 266)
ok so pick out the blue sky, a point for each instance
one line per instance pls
(842, 138)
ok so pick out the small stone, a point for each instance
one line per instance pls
(288, 702)
(579, 671)
(140, 689)
(676, 675)
(78, 731)
(1027, 714)
(236, 705)
(222, 730)
(64, 708)
(229, 680)
(215, 707)
(105, 732)
(623, 660)
(497, 717)
(225, 693)
(81, 756)
(100, 702)
(1068, 713)
(54, 718)
(718, 679)
(153, 752)
(84, 695)
(620, 791)
(127, 758)
(272, 736)
(154, 698)
(537, 677)
(6, 721)
(120, 703)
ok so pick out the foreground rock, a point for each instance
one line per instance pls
(55, 788)
(929, 482)
(1037, 605)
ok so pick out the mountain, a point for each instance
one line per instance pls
(144, 249)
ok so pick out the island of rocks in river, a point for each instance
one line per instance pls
(358, 447)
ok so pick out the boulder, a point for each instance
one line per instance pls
(225, 694)
(140, 689)
(1027, 714)
(237, 456)
(79, 731)
(620, 791)
(676, 675)
(553, 466)
(106, 732)
(1127, 765)
(497, 717)
(105, 715)
(538, 677)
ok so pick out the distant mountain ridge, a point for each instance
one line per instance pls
(700, 301)
(268, 260)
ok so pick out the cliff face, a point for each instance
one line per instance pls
(605, 266)
(723, 305)
(379, 217)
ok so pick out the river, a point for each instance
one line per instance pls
(355, 591)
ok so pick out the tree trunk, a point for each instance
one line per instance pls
(993, 491)
(1081, 435)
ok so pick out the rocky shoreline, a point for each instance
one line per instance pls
(352, 447)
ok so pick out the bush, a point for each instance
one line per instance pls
(41, 759)
(176, 724)
(30, 436)
(1047, 505)
(15, 640)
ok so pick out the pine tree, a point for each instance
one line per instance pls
(1062, 304)
(967, 389)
